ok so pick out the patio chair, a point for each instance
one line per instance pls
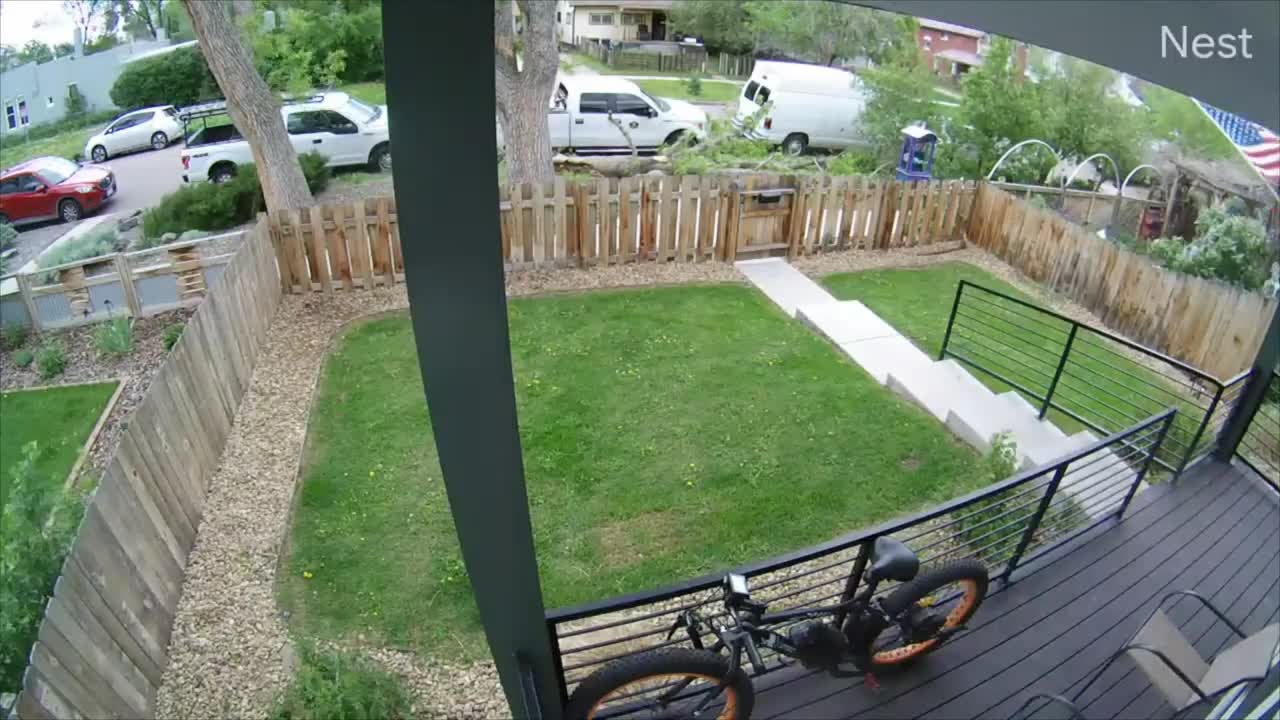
(1178, 671)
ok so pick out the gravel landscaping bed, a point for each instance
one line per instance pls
(85, 364)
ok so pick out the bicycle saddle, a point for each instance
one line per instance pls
(891, 560)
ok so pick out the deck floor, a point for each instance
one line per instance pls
(1217, 531)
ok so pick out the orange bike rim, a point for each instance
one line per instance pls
(954, 618)
(730, 697)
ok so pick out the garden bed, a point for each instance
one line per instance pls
(85, 364)
(60, 419)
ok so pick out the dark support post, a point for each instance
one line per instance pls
(449, 222)
(942, 353)
(1057, 374)
(1034, 523)
(1191, 449)
(1146, 465)
(855, 577)
(1254, 392)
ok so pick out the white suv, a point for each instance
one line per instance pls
(343, 129)
(153, 127)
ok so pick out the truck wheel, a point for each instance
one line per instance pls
(795, 144)
(159, 141)
(674, 137)
(222, 172)
(98, 153)
(380, 158)
(69, 210)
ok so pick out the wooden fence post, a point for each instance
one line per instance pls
(126, 284)
(580, 207)
(24, 288)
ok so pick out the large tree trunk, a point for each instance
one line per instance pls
(524, 89)
(251, 104)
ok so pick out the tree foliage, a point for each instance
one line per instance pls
(821, 31)
(998, 108)
(1228, 247)
(900, 93)
(1081, 116)
(1176, 118)
(722, 24)
(180, 77)
(318, 44)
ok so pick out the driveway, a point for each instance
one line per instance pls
(142, 178)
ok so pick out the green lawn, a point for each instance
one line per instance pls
(374, 93)
(59, 419)
(666, 433)
(918, 301)
(712, 91)
(65, 144)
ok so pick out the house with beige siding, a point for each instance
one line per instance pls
(579, 21)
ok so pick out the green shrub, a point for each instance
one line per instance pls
(23, 358)
(51, 360)
(331, 685)
(853, 162)
(172, 334)
(7, 236)
(207, 206)
(179, 78)
(98, 242)
(12, 335)
(997, 518)
(693, 84)
(36, 534)
(1232, 248)
(114, 337)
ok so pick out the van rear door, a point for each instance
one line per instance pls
(754, 95)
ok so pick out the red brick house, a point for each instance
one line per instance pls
(952, 50)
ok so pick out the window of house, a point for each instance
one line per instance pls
(632, 18)
(928, 41)
(594, 104)
(558, 16)
(984, 44)
(600, 19)
(48, 102)
(22, 113)
(10, 115)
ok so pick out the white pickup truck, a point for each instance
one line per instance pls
(336, 125)
(586, 109)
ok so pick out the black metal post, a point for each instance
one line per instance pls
(448, 215)
(855, 578)
(1034, 523)
(1204, 423)
(942, 353)
(1253, 394)
(1146, 465)
(1057, 374)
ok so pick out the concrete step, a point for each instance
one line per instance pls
(880, 356)
(784, 285)
(1015, 400)
(943, 388)
(845, 322)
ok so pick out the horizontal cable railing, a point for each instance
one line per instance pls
(1259, 448)
(1083, 377)
(1005, 525)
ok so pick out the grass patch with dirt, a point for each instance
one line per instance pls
(713, 91)
(59, 419)
(1112, 391)
(666, 433)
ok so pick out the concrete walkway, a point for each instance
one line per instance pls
(944, 388)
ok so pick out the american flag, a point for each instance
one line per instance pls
(1257, 144)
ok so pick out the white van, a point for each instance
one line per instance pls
(809, 106)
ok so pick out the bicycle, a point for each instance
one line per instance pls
(680, 682)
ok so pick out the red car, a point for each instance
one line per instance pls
(48, 188)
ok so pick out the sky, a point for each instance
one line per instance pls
(23, 20)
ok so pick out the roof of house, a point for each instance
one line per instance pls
(950, 27)
(961, 56)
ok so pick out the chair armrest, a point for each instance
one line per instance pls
(1204, 601)
(1169, 664)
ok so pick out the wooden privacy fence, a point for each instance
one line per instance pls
(138, 283)
(103, 643)
(1202, 322)
(1088, 208)
(611, 221)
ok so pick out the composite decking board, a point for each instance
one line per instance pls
(1237, 596)
(1078, 653)
(1054, 626)
(1005, 612)
(1093, 618)
(1247, 599)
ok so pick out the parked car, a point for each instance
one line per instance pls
(154, 127)
(584, 110)
(46, 188)
(338, 126)
(808, 106)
